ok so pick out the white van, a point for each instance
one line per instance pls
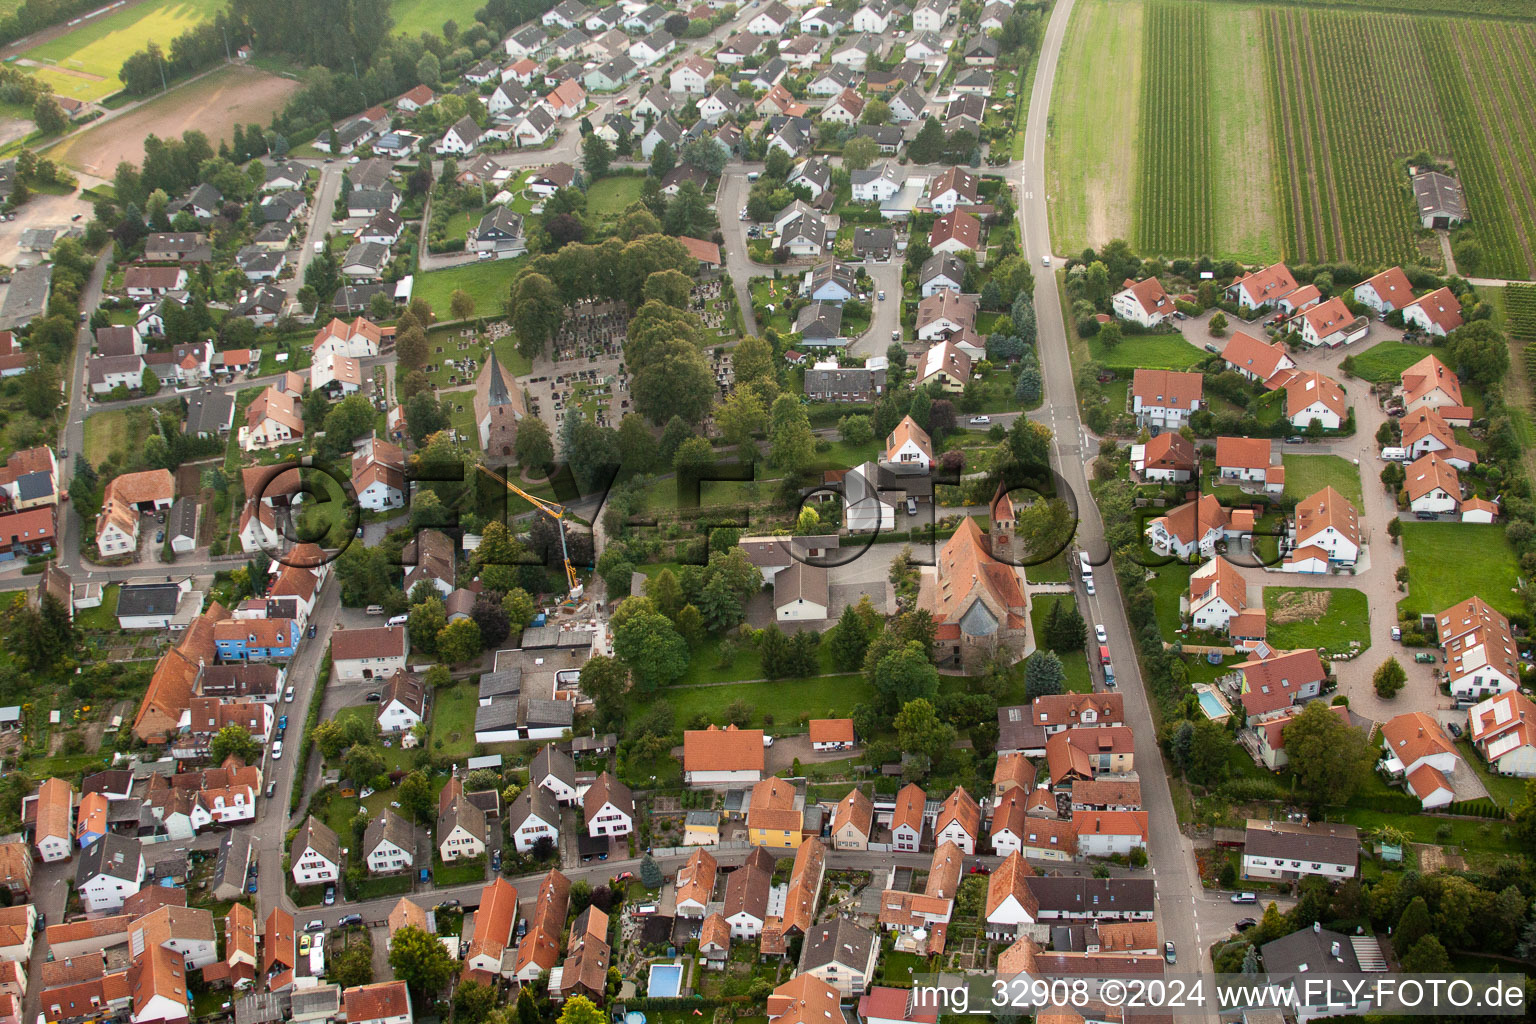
(374, 609)
(1395, 454)
(1085, 566)
(398, 620)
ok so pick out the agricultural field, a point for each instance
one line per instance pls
(1295, 144)
(1242, 207)
(214, 104)
(1091, 149)
(1173, 189)
(83, 63)
(1520, 311)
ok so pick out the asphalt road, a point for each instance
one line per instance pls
(1180, 897)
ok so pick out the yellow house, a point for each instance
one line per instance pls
(701, 828)
(776, 815)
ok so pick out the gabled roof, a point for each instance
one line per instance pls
(1427, 375)
(1243, 452)
(956, 225)
(1169, 450)
(908, 430)
(1150, 295)
(1167, 388)
(911, 802)
(696, 878)
(1441, 307)
(1327, 508)
(723, 750)
(856, 810)
(316, 835)
(1271, 684)
(1272, 283)
(1429, 472)
(775, 805)
(1245, 352)
(1414, 735)
(1009, 880)
(959, 808)
(1192, 520)
(1217, 579)
(968, 573)
(607, 790)
(1305, 387)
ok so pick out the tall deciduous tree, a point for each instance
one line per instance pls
(1328, 756)
(422, 962)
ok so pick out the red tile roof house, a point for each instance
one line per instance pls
(1142, 302)
(1331, 323)
(1196, 527)
(1272, 685)
(1165, 398)
(374, 653)
(1430, 384)
(1169, 457)
(831, 734)
(1386, 291)
(1245, 459)
(1255, 359)
(1438, 313)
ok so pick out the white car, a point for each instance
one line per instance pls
(1098, 631)
(288, 696)
(1088, 585)
(980, 420)
(1045, 260)
(277, 750)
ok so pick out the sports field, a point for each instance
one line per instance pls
(1259, 131)
(413, 17)
(84, 63)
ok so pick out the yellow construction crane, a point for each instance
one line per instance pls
(555, 512)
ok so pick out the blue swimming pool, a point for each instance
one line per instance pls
(1212, 705)
(666, 981)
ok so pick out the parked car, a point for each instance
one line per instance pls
(1295, 439)
(282, 721)
(1397, 632)
(896, 334)
(1245, 923)
(159, 536)
(288, 696)
(1169, 954)
(350, 919)
(980, 869)
(277, 750)
(882, 295)
(1088, 585)
(624, 876)
(980, 420)
(1100, 634)
(310, 633)
(271, 788)
(1424, 658)
(316, 925)
(496, 860)
(1245, 897)
(250, 886)
(374, 697)
(304, 943)
(330, 895)
(1426, 517)
(1045, 260)
(448, 905)
(1453, 729)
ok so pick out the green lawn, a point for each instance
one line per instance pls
(97, 48)
(1386, 361)
(1079, 676)
(1170, 582)
(1449, 562)
(1346, 617)
(488, 282)
(413, 17)
(121, 430)
(103, 617)
(607, 198)
(452, 732)
(1305, 475)
(1148, 351)
(784, 699)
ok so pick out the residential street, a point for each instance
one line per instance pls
(1180, 898)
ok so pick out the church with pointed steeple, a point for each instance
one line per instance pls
(498, 408)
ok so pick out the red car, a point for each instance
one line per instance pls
(980, 869)
(624, 876)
